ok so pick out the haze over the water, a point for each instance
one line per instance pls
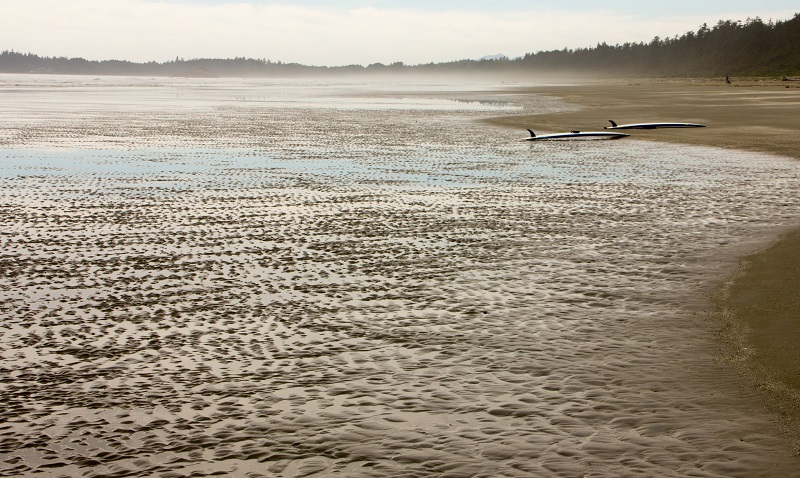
(335, 33)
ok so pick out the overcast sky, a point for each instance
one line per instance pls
(332, 33)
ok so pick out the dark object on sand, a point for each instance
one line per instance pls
(576, 135)
(653, 125)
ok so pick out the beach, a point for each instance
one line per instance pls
(310, 278)
(748, 114)
(759, 306)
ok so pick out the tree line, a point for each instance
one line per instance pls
(749, 48)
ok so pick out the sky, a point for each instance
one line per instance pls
(348, 32)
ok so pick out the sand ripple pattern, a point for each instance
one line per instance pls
(244, 279)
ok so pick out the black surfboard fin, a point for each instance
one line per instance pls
(613, 124)
(533, 135)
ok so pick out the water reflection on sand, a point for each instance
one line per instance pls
(360, 279)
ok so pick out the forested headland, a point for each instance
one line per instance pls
(742, 48)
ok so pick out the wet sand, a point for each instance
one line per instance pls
(242, 278)
(749, 115)
(759, 307)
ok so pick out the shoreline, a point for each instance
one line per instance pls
(757, 308)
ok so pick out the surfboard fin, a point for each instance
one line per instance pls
(613, 124)
(533, 135)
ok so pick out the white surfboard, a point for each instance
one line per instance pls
(576, 135)
(653, 125)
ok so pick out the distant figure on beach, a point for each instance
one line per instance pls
(727, 79)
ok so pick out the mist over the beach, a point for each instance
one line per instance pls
(323, 33)
(254, 239)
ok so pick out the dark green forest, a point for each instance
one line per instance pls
(741, 48)
(750, 48)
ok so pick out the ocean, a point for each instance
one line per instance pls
(258, 277)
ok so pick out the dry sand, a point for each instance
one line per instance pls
(760, 305)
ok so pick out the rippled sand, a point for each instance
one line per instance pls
(757, 305)
(202, 277)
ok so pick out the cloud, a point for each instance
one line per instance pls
(140, 30)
